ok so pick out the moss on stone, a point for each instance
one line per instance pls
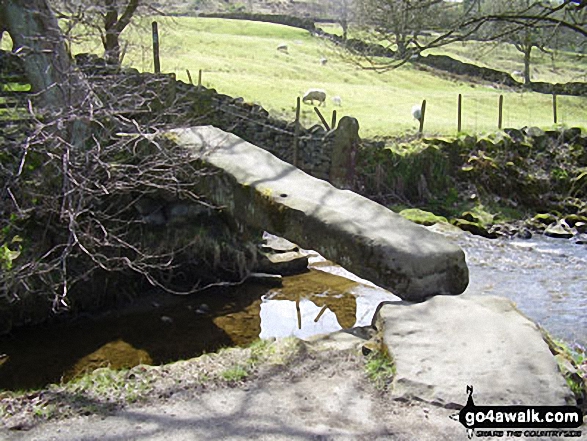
(422, 217)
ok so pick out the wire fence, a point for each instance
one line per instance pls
(489, 112)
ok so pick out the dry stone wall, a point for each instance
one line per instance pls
(253, 123)
(148, 97)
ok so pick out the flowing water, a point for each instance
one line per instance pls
(547, 279)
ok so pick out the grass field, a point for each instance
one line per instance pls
(553, 67)
(239, 58)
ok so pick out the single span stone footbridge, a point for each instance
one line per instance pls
(262, 191)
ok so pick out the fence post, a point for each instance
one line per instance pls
(554, 113)
(500, 117)
(423, 109)
(324, 123)
(333, 121)
(199, 79)
(189, 76)
(459, 112)
(157, 63)
(296, 133)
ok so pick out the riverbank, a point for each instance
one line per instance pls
(275, 390)
(299, 393)
(507, 183)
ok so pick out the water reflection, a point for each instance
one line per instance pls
(161, 328)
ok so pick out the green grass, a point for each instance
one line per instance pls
(555, 67)
(380, 369)
(239, 58)
(235, 373)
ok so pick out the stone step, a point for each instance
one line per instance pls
(444, 344)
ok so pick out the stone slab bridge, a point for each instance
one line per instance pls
(262, 191)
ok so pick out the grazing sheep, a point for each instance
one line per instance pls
(417, 112)
(315, 94)
(337, 100)
(323, 61)
(282, 48)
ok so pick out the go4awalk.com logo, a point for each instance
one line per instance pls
(518, 421)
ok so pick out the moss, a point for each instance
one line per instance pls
(544, 219)
(422, 217)
(479, 214)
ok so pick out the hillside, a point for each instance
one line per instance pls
(239, 58)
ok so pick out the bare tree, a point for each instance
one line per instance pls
(343, 11)
(398, 22)
(413, 27)
(86, 188)
(107, 18)
(523, 38)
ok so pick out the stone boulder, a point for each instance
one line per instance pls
(446, 343)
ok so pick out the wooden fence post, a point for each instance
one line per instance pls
(324, 123)
(500, 116)
(156, 60)
(423, 111)
(459, 112)
(199, 79)
(333, 121)
(296, 133)
(189, 76)
(554, 113)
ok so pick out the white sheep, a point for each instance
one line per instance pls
(517, 73)
(417, 111)
(282, 48)
(314, 94)
(337, 100)
(323, 61)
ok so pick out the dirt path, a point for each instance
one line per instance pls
(321, 396)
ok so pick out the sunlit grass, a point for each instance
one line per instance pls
(239, 58)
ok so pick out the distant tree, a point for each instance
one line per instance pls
(398, 22)
(343, 12)
(107, 18)
(523, 37)
(412, 27)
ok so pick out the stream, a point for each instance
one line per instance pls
(546, 278)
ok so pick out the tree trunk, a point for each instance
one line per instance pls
(63, 92)
(113, 27)
(111, 40)
(402, 48)
(527, 51)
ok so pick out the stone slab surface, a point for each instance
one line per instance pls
(364, 237)
(446, 343)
